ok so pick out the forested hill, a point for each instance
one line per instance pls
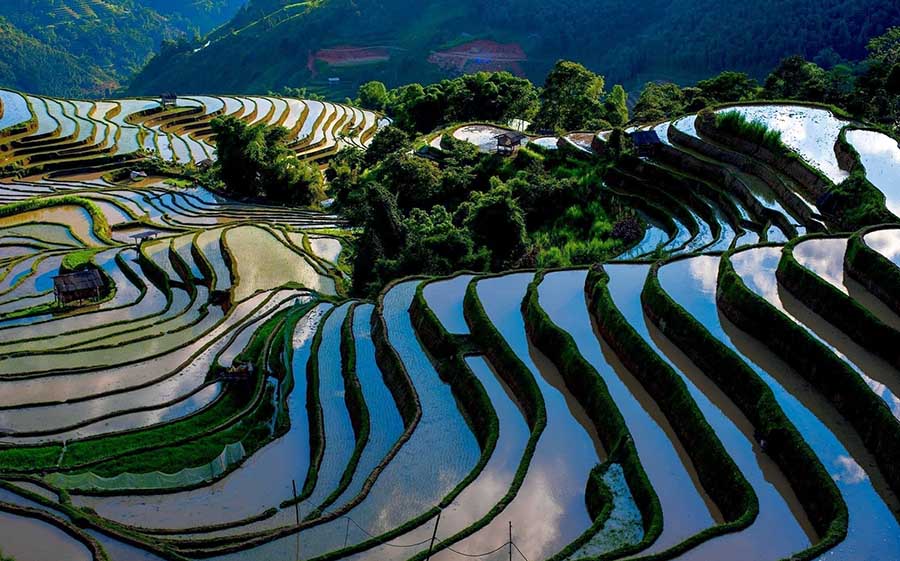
(88, 47)
(334, 45)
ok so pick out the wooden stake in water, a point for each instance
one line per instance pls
(433, 535)
(510, 540)
(297, 514)
(347, 532)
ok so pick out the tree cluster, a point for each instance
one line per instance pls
(468, 210)
(256, 161)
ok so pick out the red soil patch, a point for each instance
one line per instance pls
(481, 55)
(347, 55)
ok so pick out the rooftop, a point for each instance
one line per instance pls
(88, 279)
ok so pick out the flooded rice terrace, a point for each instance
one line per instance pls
(216, 393)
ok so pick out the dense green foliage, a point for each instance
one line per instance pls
(483, 96)
(473, 211)
(255, 160)
(269, 44)
(868, 89)
(78, 48)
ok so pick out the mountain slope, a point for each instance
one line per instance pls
(95, 44)
(275, 43)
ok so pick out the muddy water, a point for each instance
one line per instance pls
(825, 257)
(263, 481)
(26, 538)
(328, 249)
(385, 422)
(880, 155)
(441, 451)
(549, 511)
(208, 242)
(185, 329)
(263, 262)
(179, 387)
(780, 512)
(885, 242)
(158, 253)
(874, 532)
(445, 298)
(339, 436)
(182, 246)
(128, 304)
(45, 326)
(757, 268)
(685, 506)
(76, 217)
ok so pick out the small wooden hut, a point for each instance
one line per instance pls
(80, 286)
(168, 100)
(507, 144)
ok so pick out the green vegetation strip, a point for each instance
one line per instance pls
(812, 483)
(717, 471)
(314, 414)
(251, 429)
(400, 384)
(585, 383)
(873, 270)
(356, 407)
(819, 365)
(448, 354)
(837, 308)
(100, 224)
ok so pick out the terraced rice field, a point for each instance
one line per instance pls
(48, 134)
(727, 388)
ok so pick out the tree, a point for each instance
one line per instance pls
(615, 106)
(659, 101)
(570, 99)
(373, 95)
(254, 161)
(387, 141)
(498, 223)
(415, 181)
(728, 86)
(795, 78)
(885, 49)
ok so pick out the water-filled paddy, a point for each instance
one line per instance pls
(757, 269)
(873, 529)
(672, 474)
(809, 131)
(880, 155)
(885, 242)
(569, 446)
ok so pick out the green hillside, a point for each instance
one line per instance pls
(334, 45)
(88, 47)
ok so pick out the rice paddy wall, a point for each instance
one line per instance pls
(810, 480)
(588, 387)
(830, 375)
(717, 471)
(836, 307)
(874, 271)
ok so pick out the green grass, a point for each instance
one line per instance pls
(77, 260)
(755, 131)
